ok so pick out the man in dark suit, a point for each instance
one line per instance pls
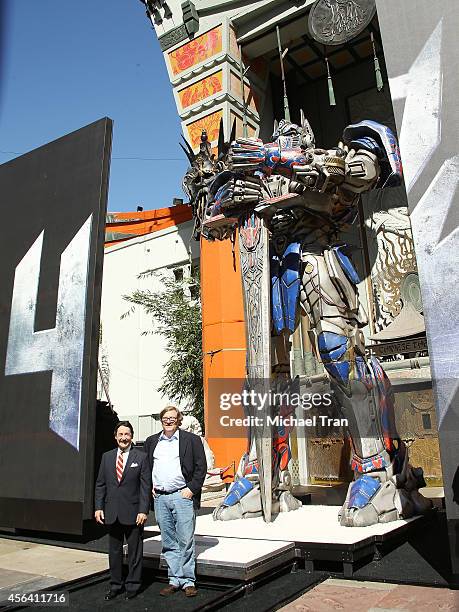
(122, 501)
(178, 465)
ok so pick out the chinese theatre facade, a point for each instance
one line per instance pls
(247, 64)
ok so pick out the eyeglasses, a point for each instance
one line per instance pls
(169, 421)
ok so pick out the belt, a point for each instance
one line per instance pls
(162, 492)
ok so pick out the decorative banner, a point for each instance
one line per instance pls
(196, 51)
(210, 123)
(201, 90)
(334, 22)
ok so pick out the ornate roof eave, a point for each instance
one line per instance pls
(285, 13)
(215, 101)
(207, 6)
(215, 61)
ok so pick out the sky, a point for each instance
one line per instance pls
(67, 63)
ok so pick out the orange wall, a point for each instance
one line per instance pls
(131, 224)
(222, 328)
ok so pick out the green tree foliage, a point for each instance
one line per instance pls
(176, 315)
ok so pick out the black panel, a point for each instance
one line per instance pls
(42, 515)
(46, 461)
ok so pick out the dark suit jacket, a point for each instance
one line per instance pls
(125, 499)
(192, 460)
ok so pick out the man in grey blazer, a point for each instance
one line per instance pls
(122, 500)
(178, 465)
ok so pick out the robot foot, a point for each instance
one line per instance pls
(231, 513)
(287, 502)
(244, 501)
(370, 501)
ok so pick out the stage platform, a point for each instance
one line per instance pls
(229, 558)
(311, 534)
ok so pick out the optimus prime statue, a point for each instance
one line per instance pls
(289, 201)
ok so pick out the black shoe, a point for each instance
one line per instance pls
(111, 595)
(130, 595)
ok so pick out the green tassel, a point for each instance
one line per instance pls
(331, 93)
(379, 81)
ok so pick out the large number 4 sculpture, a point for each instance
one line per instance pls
(59, 350)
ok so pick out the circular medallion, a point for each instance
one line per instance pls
(410, 291)
(335, 22)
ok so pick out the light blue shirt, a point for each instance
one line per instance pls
(167, 473)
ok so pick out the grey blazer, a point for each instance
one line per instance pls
(192, 461)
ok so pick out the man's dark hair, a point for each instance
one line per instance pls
(124, 424)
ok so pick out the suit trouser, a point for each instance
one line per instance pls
(117, 533)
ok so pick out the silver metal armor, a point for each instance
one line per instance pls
(290, 201)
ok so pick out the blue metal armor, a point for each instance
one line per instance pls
(304, 196)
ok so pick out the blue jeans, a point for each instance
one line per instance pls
(176, 519)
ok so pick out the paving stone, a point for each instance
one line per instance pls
(422, 599)
(351, 595)
(60, 563)
(9, 578)
(328, 597)
(9, 546)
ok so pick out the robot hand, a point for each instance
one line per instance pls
(235, 193)
(308, 176)
(326, 171)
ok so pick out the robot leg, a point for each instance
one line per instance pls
(243, 500)
(385, 486)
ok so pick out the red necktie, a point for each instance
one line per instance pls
(119, 467)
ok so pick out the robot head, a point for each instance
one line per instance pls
(302, 135)
(202, 171)
(201, 167)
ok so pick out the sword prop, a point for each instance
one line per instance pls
(254, 257)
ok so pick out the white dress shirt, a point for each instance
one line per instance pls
(167, 473)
